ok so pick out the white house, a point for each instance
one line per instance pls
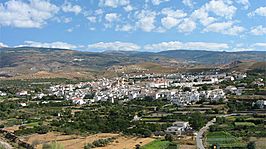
(261, 103)
(178, 128)
(3, 93)
(216, 94)
(78, 101)
(230, 89)
(22, 93)
(23, 104)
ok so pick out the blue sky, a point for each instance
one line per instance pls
(144, 25)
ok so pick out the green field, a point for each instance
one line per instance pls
(224, 139)
(247, 124)
(231, 118)
(158, 144)
(32, 124)
(151, 119)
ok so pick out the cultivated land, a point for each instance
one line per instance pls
(136, 108)
(225, 140)
(157, 144)
(76, 141)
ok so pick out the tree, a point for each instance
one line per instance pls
(42, 129)
(187, 89)
(205, 87)
(197, 120)
(169, 137)
(147, 133)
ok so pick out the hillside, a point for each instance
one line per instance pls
(30, 62)
(214, 57)
(46, 62)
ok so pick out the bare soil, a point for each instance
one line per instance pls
(78, 142)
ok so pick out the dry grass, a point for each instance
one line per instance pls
(127, 142)
(187, 140)
(187, 147)
(11, 129)
(78, 142)
(59, 74)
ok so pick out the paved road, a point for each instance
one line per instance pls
(199, 136)
(5, 145)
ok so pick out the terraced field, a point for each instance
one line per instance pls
(224, 139)
(159, 144)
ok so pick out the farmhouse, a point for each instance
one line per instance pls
(178, 128)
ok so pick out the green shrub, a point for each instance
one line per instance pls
(102, 142)
(89, 146)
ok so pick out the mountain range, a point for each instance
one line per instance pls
(35, 62)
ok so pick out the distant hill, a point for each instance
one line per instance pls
(214, 57)
(49, 62)
(42, 62)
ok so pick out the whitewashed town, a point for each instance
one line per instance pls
(179, 89)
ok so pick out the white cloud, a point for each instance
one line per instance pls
(242, 49)
(188, 3)
(158, 2)
(146, 20)
(160, 30)
(67, 20)
(187, 25)
(169, 22)
(92, 19)
(260, 45)
(175, 45)
(221, 8)
(111, 17)
(2, 45)
(58, 44)
(68, 7)
(173, 17)
(70, 30)
(245, 3)
(253, 47)
(206, 45)
(203, 16)
(173, 13)
(258, 30)
(227, 28)
(259, 11)
(113, 3)
(128, 8)
(32, 14)
(118, 46)
(172, 45)
(124, 28)
(99, 12)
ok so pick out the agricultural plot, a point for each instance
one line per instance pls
(224, 139)
(159, 144)
(245, 124)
